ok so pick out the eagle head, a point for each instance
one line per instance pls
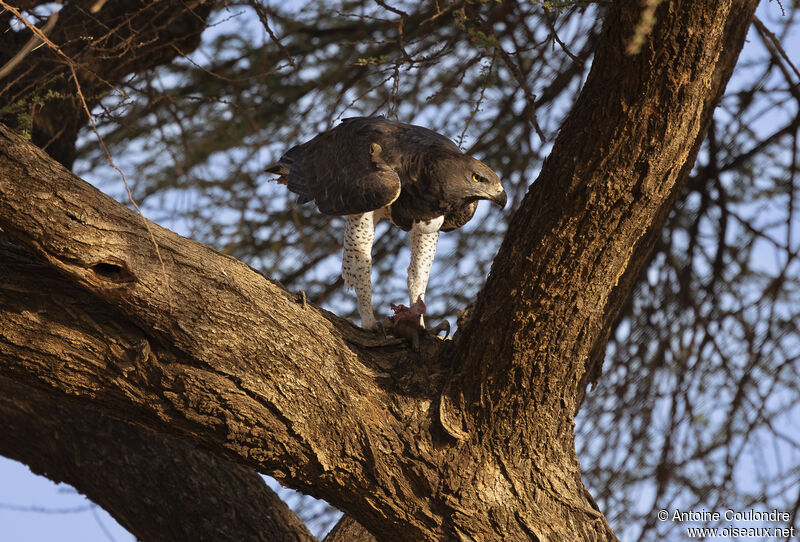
(471, 180)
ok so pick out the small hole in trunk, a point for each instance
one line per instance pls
(112, 272)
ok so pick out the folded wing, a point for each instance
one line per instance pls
(345, 170)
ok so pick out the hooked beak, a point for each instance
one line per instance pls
(500, 198)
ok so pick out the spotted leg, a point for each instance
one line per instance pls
(357, 263)
(424, 237)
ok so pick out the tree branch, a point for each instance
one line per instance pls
(224, 367)
(238, 366)
(145, 480)
(348, 530)
(616, 169)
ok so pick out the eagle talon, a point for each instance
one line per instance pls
(381, 326)
(444, 325)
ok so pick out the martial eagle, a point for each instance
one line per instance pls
(369, 168)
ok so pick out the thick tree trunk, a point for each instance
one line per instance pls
(348, 530)
(471, 440)
(156, 486)
(144, 479)
(580, 237)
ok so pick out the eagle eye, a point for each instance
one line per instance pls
(477, 178)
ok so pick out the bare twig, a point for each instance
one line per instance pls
(478, 102)
(278, 68)
(125, 182)
(262, 16)
(32, 44)
(46, 510)
(776, 43)
(37, 32)
(552, 26)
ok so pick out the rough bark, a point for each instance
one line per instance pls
(580, 237)
(348, 530)
(208, 349)
(143, 479)
(736, 28)
(219, 360)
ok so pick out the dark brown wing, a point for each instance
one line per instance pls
(343, 170)
(344, 173)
